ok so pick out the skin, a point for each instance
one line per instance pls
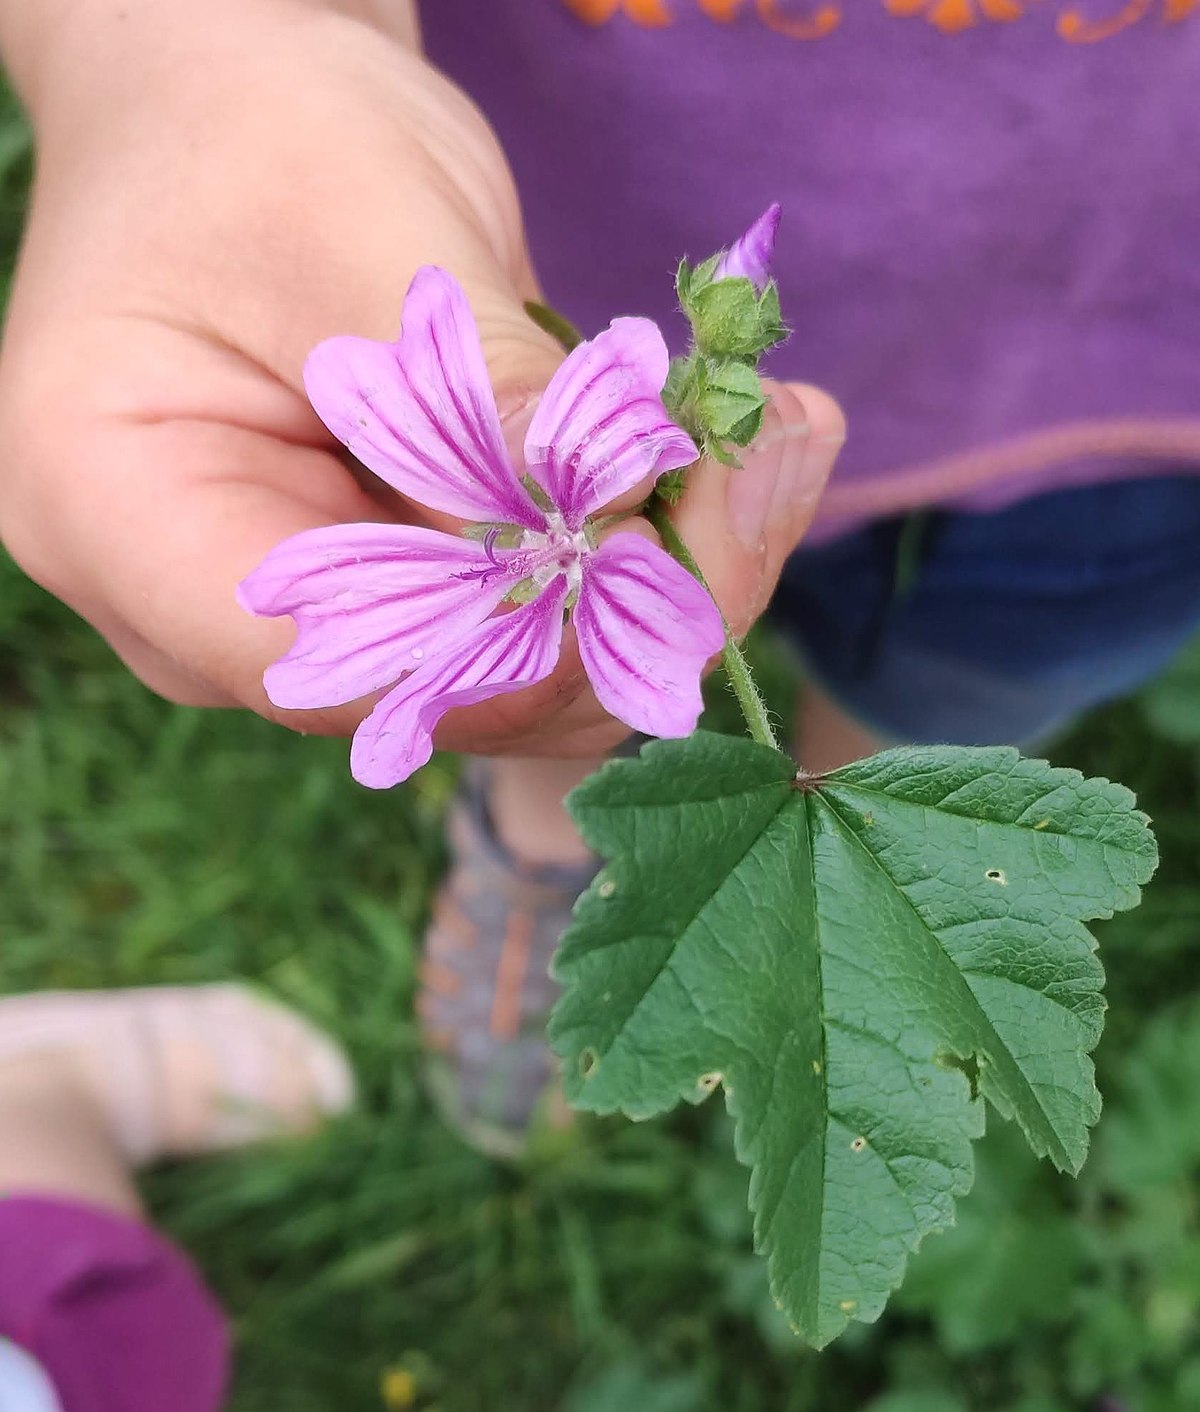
(219, 187)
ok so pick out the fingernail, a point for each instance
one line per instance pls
(767, 483)
(820, 456)
(516, 409)
(513, 402)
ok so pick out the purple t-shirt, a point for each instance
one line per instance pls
(991, 242)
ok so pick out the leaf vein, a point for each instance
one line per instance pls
(981, 1014)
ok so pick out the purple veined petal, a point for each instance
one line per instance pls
(506, 653)
(750, 256)
(601, 426)
(371, 602)
(646, 628)
(420, 412)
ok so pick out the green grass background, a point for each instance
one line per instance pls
(142, 843)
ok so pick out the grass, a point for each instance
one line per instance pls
(383, 1264)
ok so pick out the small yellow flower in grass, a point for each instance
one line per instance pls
(399, 1389)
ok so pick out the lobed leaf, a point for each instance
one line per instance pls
(858, 960)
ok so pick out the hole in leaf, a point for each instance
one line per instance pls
(587, 1063)
(968, 1066)
(607, 888)
(708, 1082)
(858, 1144)
(997, 875)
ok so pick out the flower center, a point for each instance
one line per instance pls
(536, 559)
(557, 551)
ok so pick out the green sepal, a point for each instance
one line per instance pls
(691, 279)
(714, 392)
(506, 536)
(770, 317)
(722, 455)
(732, 403)
(729, 317)
(524, 592)
(670, 488)
(681, 390)
(538, 495)
(557, 325)
(683, 281)
(724, 318)
(719, 403)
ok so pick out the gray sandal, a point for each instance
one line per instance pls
(485, 989)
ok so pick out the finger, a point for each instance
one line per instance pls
(742, 524)
(165, 579)
(158, 576)
(158, 670)
(386, 168)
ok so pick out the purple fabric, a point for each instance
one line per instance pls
(119, 1318)
(988, 235)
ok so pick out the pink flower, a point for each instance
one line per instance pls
(380, 604)
(750, 256)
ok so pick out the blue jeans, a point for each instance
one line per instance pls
(1010, 624)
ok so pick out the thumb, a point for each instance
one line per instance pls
(741, 525)
(521, 357)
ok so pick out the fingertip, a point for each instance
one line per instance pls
(631, 524)
(821, 414)
(785, 412)
(803, 434)
(248, 595)
(337, 721)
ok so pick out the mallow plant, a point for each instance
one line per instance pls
(860, 961)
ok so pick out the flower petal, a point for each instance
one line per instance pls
(420, 412)
(646, 628)
(750, 256)
(506, 653)
(370, 602)
(601, 426)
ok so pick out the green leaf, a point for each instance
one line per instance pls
(856, 959)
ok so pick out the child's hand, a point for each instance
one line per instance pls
(219, 188)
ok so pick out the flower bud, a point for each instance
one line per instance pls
(750, 256)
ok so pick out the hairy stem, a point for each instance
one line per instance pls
(733, 659)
